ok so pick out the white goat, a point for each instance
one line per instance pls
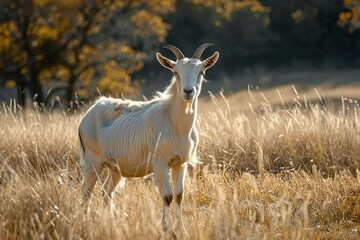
(136, 138)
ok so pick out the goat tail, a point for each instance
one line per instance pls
(82, 150)
(82, 162)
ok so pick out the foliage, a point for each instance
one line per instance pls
(71, 48)
(78, 44)
(351, 18)
(269, 33)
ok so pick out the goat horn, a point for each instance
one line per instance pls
(179, 55)
(199, 51)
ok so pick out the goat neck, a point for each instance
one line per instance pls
(182, 119)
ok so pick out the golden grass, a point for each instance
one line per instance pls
(284, 173)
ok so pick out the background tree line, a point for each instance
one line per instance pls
(76, 48)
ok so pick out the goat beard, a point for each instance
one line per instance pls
(189, 107)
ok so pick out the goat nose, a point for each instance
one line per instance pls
(188, 90)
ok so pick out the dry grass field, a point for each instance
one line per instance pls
(274, 169)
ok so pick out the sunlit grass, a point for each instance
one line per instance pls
(269, 173)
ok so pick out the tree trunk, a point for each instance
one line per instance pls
(70, 91)
(32, 64)
(21, 96)
(36, 88)
(69, 94)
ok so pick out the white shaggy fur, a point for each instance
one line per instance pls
(136, 138)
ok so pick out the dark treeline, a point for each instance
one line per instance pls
(295, 33)
(73, 49)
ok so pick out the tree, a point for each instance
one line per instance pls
(78, 44)
(237, 28)
(350, 18)
(308, 31)
(19, 60)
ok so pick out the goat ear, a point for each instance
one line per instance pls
(210, 61)
(165, 61)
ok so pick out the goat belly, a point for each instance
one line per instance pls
(135, 169)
